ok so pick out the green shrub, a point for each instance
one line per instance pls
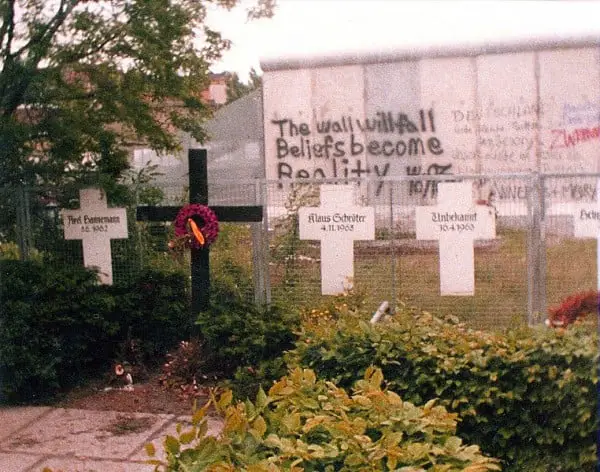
(240, 336)
(527, 397)
(309, 425)
(154, 310)
(248, 380)
(53, 328)
(58, 326)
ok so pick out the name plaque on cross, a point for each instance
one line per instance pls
(96, 224)
(337, 223)
(456, 222)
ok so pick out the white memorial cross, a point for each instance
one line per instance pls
(586, 221)
(456, 222)
(96, 224)
(337, 223)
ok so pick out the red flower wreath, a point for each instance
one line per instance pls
(193, 218)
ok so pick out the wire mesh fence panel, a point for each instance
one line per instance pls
(396, 266)
(294, 270)
(393, 265)
(499, 296)
(571, 205)
(33, 226)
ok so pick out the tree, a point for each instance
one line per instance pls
(237, 89)
(82, 79)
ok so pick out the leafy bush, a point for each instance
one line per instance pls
(58, 326)
(309, 425)
(154, 310)
(527, 397)
(240, 336)
(184, 365)
(53, 328)
(248, 380)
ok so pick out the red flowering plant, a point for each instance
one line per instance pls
(573, 308)
(196, 226)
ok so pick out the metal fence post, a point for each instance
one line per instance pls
(536, 252)
(259, 257)
(395, 273)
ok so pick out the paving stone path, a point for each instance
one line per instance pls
(70, 440)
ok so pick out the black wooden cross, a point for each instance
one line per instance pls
(198, 179)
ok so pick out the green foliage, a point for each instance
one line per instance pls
(184, 365)
(237, 89)
(53, 328)
(12, 251)
(248, 380)
(527, 397)
(154, 309)
(9, 251)
(240, 335)
(305, 424)
(286, 240)
(72, 70)
(58, 326)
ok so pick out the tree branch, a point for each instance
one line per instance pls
(37, 47)
(7, 29)
(43, 38)
(74, 57)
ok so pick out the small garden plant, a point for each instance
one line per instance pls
(305, 424)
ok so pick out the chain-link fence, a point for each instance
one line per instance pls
(572, 219)
(537, 257)
(31, 227)
(534, 261)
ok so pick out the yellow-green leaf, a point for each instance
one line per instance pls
(225, 399)
(172, 445)
(260, 426)
(187, 437)
(150, 449)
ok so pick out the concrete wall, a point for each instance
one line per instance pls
(485, 110)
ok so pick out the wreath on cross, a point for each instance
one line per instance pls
(196, 226)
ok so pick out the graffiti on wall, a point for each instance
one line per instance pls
(351, 147)
(502, 114)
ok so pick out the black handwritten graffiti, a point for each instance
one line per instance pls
(340, 168)
(580, 192)
(426, 187)
(381, 122)
(342, 137)
(328, 147)
(565, 192)
(341, 146)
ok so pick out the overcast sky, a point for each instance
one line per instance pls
(321, 27)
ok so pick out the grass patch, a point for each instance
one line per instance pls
(395, 273)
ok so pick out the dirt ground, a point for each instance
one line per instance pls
(147, 397)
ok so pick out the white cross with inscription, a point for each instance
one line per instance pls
(96, 224)
(337, 223)
(456, 222)
(586, 221)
